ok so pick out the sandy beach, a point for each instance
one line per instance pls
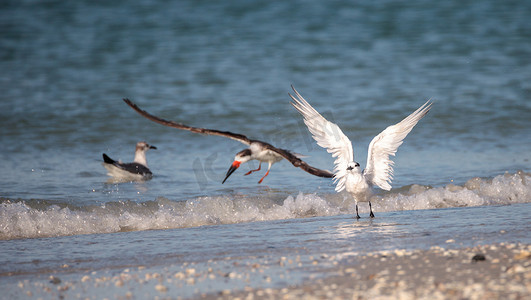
(496, 271)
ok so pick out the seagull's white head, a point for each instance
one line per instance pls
(140, 152)
(240, 158)
(143, 146)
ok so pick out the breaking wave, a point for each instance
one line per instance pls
(39, 218)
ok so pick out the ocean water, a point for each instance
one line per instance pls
(229, 66)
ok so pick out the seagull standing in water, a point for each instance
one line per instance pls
(347, 172)
(137, 170)
(261, 151)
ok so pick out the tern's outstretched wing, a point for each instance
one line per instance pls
(235, 136)
(327, 135)
(379, 170)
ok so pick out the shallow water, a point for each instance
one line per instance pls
(366, 65)
(286, 250)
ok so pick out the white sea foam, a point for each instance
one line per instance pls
(500, 190)
(21, 219)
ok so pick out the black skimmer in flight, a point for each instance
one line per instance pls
(347, 172)
(261, 151)
(137, 170)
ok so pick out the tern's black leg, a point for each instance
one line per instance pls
(370, 207)
(357, 215)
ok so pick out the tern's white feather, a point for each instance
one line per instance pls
(379, 170)
(329, 136)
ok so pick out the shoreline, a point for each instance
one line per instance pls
(410, 255)
(496, 271)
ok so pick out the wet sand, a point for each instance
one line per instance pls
(496, 271)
